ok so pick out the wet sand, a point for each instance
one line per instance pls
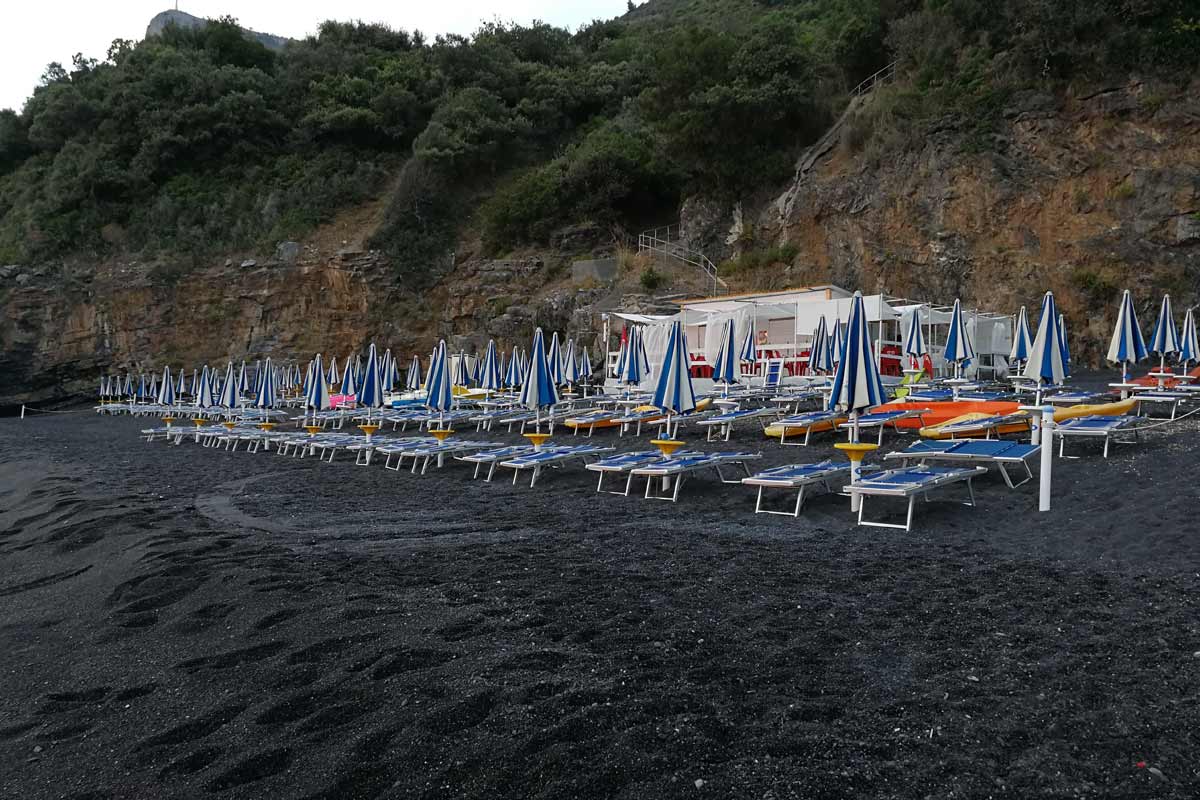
(177, 622)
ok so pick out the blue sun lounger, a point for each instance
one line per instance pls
(552, 457)
(795, 477)
(984, 452)
(625, 464)
(422, 453)
(909, 483)
(590, 419)
(985, 425)
(675, 470)
(494, 457)
(484, 419)
(722, 424)
(1107, 428)
(1069, 398)
(881, 419)
(1165, 398)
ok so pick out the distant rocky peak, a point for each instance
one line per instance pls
(185, 20)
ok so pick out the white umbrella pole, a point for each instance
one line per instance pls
(855, 464)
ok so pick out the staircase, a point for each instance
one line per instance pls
(666, 243)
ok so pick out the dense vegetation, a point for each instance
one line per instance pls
(202, 141)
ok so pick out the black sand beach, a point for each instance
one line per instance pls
(181, 623)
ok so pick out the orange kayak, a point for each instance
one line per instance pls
(945, 410)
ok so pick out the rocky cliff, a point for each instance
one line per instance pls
(182, 19)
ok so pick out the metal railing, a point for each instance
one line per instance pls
(666, 241)
(885, 75)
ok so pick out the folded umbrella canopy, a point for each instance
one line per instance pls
(166, 391)
(837, 342)
(513, 375)
(204, 391)
(1062, 343)
(673, 391)
(570, 369)
(914, 339)
(349, 384)
(554, 360)
(725, 367)
(1166, 337)
(820, 352)
(489, 369)
(229, 389)
(959, 350)
(1046, 365)
(749, 353)
(1127, 346)
(316, 396)
(857, 386)
(1189, 350)
(412, 381)
(265, 397)
(370, 394)
(539, 390)
(1022, 342)
(440, 393)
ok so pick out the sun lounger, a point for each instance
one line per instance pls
(909, 483)
(552, 457)
(493, 457)
(674, 471)
(485, 418)
(795, 477)
(973, 451)
(635, 420)
(590, 419)
(1069, 398)
(971, 428)
(425, 451)
(1107, 428)
(722, 424)
(1169, 399)
(929, 395)
(625, 464)
(881, 419)
(810, 422)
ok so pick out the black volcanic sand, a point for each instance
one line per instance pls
(184, 623)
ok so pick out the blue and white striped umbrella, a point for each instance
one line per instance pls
(308, 372)
(349, 381)
(673, 392)
(857, 385)
(1022, 342)
(585, 366)
(142, 391)
(166, 390)
(181, 389)
(387, 371)
(462, 372)
(1046, 364)
(570, 369)
(1127, 346)
(153, 386)
(837, 342)
(229, 389)
(370, 394)
(959, 350)
(489, 369)
(630, 371)
(513, 376)
(1062, 343)
(1166, 338)
(1189, 350)
(438, 384)
(204, 391)
(749, 353)
(333, 372)
(820, 352)
(265, 396)
(539, 390)
(554, 360)
(103, 387)
(914, 337)
(476, 370)
(316, 396)
(243, 380)
(412, 381)
(725, 368)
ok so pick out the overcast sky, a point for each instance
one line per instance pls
(32, 33)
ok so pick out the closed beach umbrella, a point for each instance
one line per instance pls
(820, 352)
(142, 390)
(462, 373)
(204, 391)
(857, 386)
(412, 381)
(1062, 343)
(513, 376)
(914, 338)
(959, 350)
(539, 390)
(333, 372)
(673, 391)
(1189, 350)
(387, 371)
(349, 382)
(725, 368)
(837, 342)
(438, 384)
(153, 386)
(585, 367)
(265, 396)
(1127, 346)
(489, 368)
(370, 394)
(181, 389)
(316, 396)
(1166, 337)
(570, 370)
(1045, 364)
(1022, 342)
(749, 353)
(243, 380)
(631, 371)
(229, 389)
(166, 391)
(554, 360)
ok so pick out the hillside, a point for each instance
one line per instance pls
(441, 188)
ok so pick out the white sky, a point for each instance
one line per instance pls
(32, 34)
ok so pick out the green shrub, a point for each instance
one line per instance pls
(651, 279)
